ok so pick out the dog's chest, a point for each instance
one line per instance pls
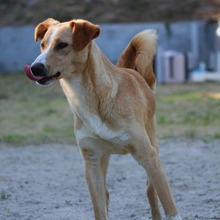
(93, 126)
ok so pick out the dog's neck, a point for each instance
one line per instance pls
(89, 88)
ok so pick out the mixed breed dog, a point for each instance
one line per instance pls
(113, 105)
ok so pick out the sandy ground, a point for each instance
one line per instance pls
(47, 182)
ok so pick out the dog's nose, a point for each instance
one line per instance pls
(38, 69)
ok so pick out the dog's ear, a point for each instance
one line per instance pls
(42, 28)
(83, 32)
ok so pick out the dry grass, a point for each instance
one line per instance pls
(189, 110)
(30, 114)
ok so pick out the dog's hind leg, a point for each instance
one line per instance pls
(95, 180)
(151, 193)
(152, 198)
(104, 167)
(148, 157)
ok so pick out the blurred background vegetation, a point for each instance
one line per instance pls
(27, 12)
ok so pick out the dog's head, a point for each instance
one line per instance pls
(64, 49)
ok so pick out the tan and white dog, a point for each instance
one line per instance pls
(113, 106)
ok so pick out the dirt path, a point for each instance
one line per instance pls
(47, 182)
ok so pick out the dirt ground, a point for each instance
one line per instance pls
(47, 182)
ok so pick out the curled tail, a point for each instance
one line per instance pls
(139, 55)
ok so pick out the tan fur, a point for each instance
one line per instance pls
(42, 28)
(83, 33)
(113, 106)
(139, 54)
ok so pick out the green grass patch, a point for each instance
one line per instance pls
(12, 138)
(4, 195)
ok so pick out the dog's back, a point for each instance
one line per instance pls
(139, 55)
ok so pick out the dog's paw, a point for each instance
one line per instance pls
(173, 217)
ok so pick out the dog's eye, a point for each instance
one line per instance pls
(61, 46)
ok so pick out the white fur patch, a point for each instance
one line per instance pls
(173, 218)
(42, 58)
(94, 126)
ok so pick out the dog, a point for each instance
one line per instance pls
(113, 105)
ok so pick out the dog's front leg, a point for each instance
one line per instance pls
(96, 183)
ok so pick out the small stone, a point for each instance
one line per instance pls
(133, 215)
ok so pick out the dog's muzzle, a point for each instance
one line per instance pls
(39, 74)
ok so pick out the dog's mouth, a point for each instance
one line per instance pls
(42, 80)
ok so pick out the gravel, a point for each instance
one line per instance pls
(47, 182)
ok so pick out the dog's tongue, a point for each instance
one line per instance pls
(30, 75)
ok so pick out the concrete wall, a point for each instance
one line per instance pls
(17, 46)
